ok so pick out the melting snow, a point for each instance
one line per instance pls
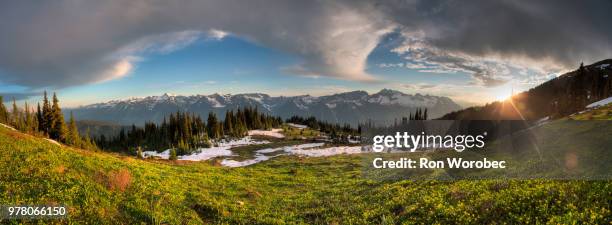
(298, 126)
(310, 150)
(600, 103)
(208, 153)
(326, 151)
(272, 133)
(603, 66)
(7, 126)
(52, 141)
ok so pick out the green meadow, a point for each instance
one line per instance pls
(103, 188)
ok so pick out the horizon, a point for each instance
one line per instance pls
(171, 94)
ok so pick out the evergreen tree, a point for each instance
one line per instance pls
(139, 153)
(173, 154)
(58, 128)
(46, 121)
(4, 116)
(73, 138)
(228, 124)
(185, 132)
(28, 120)
(16, 117)
(212, 126)
(39, 118)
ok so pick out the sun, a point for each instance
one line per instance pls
(503, 97)
(503, 93)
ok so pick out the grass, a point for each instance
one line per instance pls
(296, 133)
(103, 188)
(599, 113)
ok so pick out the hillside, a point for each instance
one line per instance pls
(599, 112)
(107, 188)
(348, 107)
(556, 98)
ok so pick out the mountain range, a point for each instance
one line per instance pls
(349, 107)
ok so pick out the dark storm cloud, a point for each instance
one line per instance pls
(547, 34)
(7, 97)
(66, 43)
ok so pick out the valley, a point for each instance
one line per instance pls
(333, 189)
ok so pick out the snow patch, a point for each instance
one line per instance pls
(223, 149)
(234, 163)
(404, 100)
(603, 66)
(272, 133)
(298, 126)
(600, 103)
(214, 102)
(52, 141)
(259, 154)
(7, 126)
(310, 150)
(326, 151)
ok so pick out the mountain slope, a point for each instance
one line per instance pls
(102, 188)
(349, 107)
(559, 97)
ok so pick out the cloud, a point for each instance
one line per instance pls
(489, 38)
(217, 34)
(62, 43)
(8, 97)
(65, 43)
(420, 86)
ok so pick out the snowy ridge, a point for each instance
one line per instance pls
(384, 97)
(383, 106)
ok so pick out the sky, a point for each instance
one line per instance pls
(473, 51)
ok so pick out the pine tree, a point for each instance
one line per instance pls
(4, 116)
(229, 124)
(58, 129)
(139, 153)
(16, 117)
(213, 127)
(39, 118)
(73, 137)
(47, 117)
(173, 154)
(87, 142)
(28, 120)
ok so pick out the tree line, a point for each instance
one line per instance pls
(556, 98)
(336, 133)
(46, 121)
(184, 132)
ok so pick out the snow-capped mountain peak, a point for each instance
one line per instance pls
(348, 107)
